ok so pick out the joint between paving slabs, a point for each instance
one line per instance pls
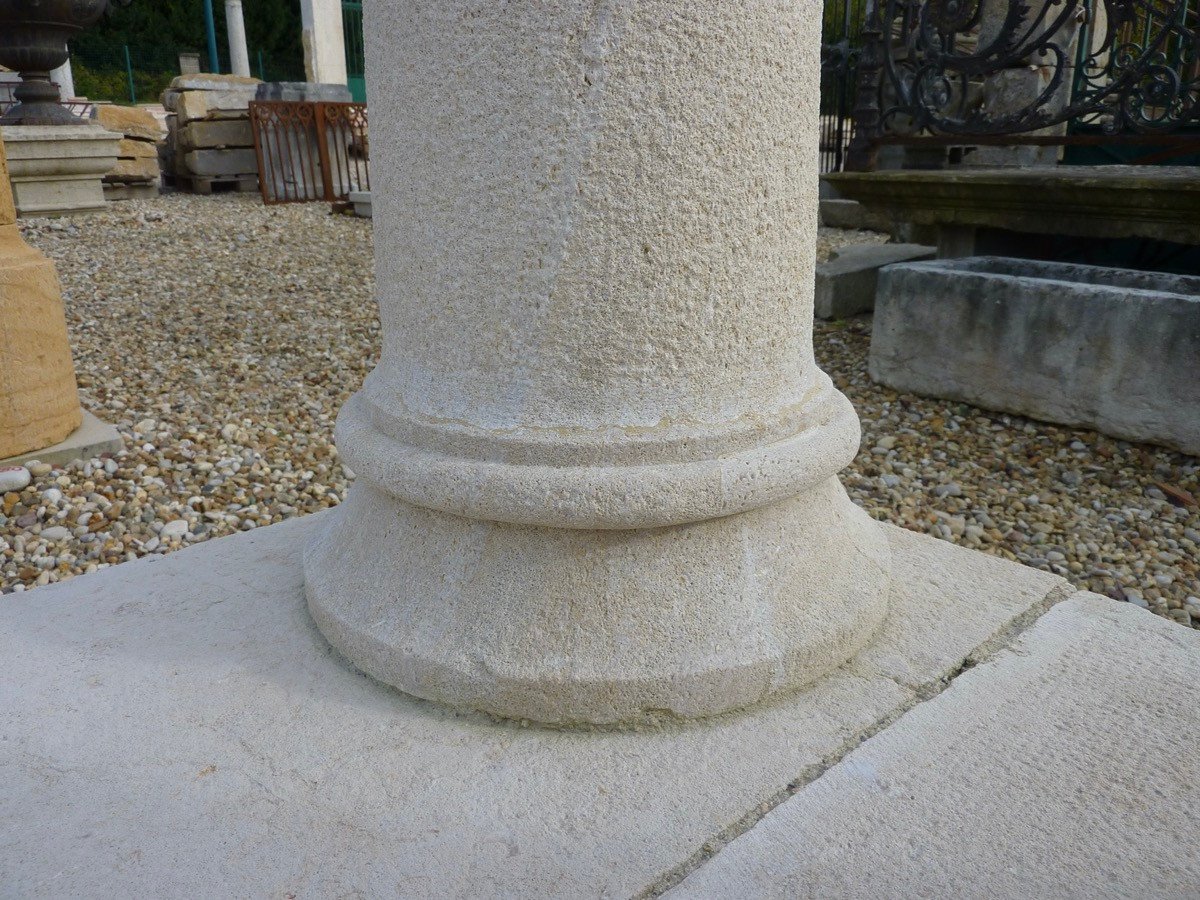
(1002, 640)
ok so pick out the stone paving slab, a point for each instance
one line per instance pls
(1028, 777)
(91, 438)
(177, 726)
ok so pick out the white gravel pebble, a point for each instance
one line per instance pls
(14, 478)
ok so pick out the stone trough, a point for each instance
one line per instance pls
(1111, 349)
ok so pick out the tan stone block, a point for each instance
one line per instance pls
(192, 105)
(145, 169)
(131, 121)
(133, 149)
(39, 403)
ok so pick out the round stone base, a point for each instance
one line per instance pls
(602, 627)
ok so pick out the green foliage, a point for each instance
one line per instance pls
(157, 31)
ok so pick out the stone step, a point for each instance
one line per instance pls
(846, 284)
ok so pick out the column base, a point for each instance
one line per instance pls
(567, 626)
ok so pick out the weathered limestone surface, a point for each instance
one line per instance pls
(57, 170)
(1112, 349)
(131, 121)
(1027, 778)
(179, 727)
(135, 149)
(215, 134)
(846, 284)
(1160, 202)
(39, 404)
(597, 462)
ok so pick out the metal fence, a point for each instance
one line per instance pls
(356, 58)
(121, 73)
(310, 151)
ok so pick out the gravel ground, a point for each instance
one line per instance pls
(222, 337)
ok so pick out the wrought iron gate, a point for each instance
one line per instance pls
(1094, 71)
(841, 44)
(310, 151)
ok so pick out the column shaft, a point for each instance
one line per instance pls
(597, 460)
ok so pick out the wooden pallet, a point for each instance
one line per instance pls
(209, 184)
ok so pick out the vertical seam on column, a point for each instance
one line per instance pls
(595, 48)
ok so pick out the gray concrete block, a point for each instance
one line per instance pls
(846, 284)
(221, 162)
(1111, 349)
(91, 438)
(1064, 767)
(189, 705)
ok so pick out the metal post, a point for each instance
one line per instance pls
(129, 75)
(261, 70)
(210, 28)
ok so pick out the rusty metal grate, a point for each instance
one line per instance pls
(309, 151)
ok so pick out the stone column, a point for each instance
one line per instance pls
(235, 27)
(597, 462)
(39, 402)
(324, 40)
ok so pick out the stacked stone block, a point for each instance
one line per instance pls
(137, 174)
(209, 139)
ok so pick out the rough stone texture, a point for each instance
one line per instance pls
(1111, 349)
(89, 440)
(39, 404)
(239, 161)
(1027, 778)
(57, 170)
(634, 465)
(1160, 202)
(215, 134)
(181, 722)
(131, 121)
(193, 105)
(846, 284)
(145, 169)
(136, 149)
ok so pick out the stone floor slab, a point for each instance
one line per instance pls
(91, 438)
(1031, 776)
(177, 726)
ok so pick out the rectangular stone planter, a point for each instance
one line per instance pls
(1111, 349)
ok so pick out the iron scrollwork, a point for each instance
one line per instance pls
(938, 67)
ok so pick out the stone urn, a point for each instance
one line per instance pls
(33, 42)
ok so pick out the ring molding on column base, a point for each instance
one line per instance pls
(602, 627)
(628, 494)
